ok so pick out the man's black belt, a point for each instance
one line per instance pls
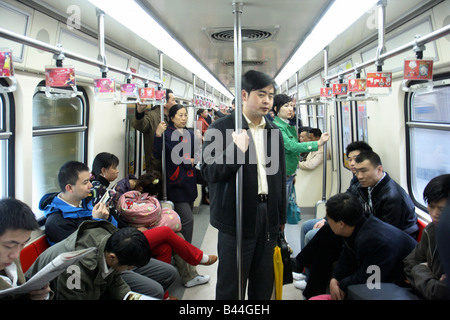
(262, 197)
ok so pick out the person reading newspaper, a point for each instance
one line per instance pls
(98, 274)
(17, 221)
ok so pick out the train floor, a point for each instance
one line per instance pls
(205, 238)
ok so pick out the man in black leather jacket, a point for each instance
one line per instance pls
(382, 196)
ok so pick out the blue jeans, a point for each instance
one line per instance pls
(289, 184)
(307, 232)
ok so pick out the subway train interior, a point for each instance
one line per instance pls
(315, 50)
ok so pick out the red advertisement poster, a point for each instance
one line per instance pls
(128, 89)
(418, 69)
(379, 79)
(59, 77)
(339, 89)
(160, 94)
(146, 93)
(357, 85)
(105, 85)
(6, 64)
(326, 92)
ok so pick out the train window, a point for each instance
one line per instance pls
(346, 116)
(428, 132)
(59, 135)
(6, 143)
(310, 115)
(304, 114)
(361, 123)
(16, 21)
(320, 117)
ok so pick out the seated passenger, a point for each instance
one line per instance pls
(423, 266)
(314, 158)
(104, 171)
(382, 196)
(100, 271)
(310, 227)
(368, 242)
(67, 210)
(352, 151)
(146, 183)
(303, 136)
(162, 241)
(17, 221)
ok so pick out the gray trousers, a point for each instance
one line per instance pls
(153, 279)
(184, 210)
(257, 264)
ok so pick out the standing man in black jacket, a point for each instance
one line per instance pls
(259, 150)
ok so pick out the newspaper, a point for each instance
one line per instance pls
(48, 273)
(137, 296)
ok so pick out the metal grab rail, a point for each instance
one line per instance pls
(57, 50)
(432, 36)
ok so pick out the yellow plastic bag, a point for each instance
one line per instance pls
(278, 272)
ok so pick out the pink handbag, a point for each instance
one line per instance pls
(142, 210)
(139, 209)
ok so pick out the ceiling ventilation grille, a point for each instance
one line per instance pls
(250, 63)
(248, 34)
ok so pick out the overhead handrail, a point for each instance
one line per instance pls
(68, 54)
(432, 36)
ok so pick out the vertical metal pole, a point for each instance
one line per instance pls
(297, 105)
(325, 108)
(163, 158)
(101, 41)
(381, 33)
(195, 107)
(237, 11)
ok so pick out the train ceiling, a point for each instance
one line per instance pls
(274, 30)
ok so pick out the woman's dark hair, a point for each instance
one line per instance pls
(103, 160)
(345, 207)
(16, 215)
(280, 100)
(130, 246)
(173, 111)
(149, 182)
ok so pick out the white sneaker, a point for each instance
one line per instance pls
(298, 276)
(198, 280)
(300, 284)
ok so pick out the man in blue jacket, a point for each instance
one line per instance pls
(67, 210)
(370, 245)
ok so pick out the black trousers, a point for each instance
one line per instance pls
(257, 252)
(319, 255)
